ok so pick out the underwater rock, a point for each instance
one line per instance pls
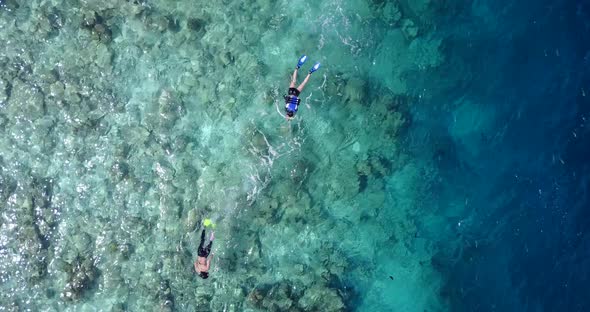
(169, 208)
(57, 90)
(296, 209)
(82, 242)
(118, 307)
(41, 190)
(342, 182)
(71, 94)
(354, 90)
(196, 24)
(268, 208)
(186, 176)
(203, 295)
(179, 143)
(165, 296)
(192, 219)
(380, 166)
(174, 24)
(159, 23)
(99, 6)
(277, 305)
(409, 30)
(391, 13)
(119, 171)
(89, 20)
(375, 165)
(293, 213)
(226, 58)
(256, 296)
(44, 77)
(55, 19)
(135, 7)
(363, 182)
(333, 260)
(300, 169)
(278, 298)
(164, 170)
(125, 250)
(25, 101)
(3, 121)
(238, 293)
(30, 244)
(7, 184)
(318, 298)
(102, 33)
(44, 214)
(281, 296)
(164, 100)
(111, 277)
(3, 91)
(9, 5)
(253, 255)
(169, 109)
(81, 275)
(363, 167)
(103, 56)
(39, 27)
(19, 64)
(257, 140)
(356, 147)
(419, 7)
(95, 24)
(121, 151)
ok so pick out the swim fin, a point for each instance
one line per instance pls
(302, 60)
(314, 68)
(208, 222)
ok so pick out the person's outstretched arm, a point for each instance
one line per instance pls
(196, 266)
(209, 260)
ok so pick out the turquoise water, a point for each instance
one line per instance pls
(125, 124)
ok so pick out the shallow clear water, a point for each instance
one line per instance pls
(438, 161)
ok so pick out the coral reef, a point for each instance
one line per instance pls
(124, 124)
(81, 275)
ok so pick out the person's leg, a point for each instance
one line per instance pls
(202, 240)
(302, 85)
(208, 248)
(293, 79)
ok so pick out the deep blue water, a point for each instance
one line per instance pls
(525, 172)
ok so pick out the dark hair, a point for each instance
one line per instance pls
(290, 114)
(204, 275)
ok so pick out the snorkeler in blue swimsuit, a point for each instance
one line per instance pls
(292, 100)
